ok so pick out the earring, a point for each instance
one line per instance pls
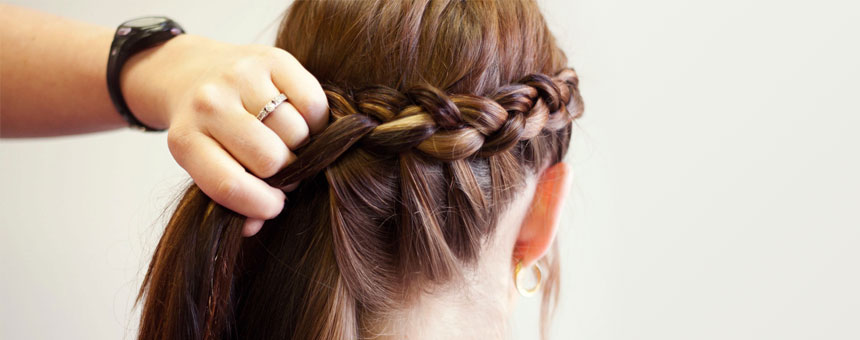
(527, 292)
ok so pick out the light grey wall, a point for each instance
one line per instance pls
(716, 192)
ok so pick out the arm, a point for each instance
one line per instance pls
(206, 93)
(52, 75)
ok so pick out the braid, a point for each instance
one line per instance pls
(444, 127)
(426, 147)
(400, 192)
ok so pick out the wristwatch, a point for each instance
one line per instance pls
(131, 37)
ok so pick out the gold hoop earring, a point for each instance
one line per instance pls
(527, 292)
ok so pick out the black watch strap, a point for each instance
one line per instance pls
(131, 37)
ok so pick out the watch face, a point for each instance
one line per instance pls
(145, 22)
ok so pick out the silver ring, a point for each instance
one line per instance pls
(278, 100)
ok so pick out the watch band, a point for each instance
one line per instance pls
(131, 37)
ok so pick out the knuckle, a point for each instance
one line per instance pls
(240, 69)
(316, 109)
(279, 55)
(300, 134)
(319, 103)
(226, 190)
(269, 163)
(177, 141)
(206, 98)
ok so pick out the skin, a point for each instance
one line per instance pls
(206, 93)
(479, 307)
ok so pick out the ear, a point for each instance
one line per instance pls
(541, 222)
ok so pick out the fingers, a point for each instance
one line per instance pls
(303, 89)
(251, 227)
(220, 177)
(221, 137)
(289, 124)
(285, 120)
(253, 144)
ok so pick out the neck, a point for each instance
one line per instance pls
(453, 314)
(476, 308)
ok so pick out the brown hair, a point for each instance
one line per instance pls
(439, 109)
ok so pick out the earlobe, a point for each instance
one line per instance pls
(542, 220)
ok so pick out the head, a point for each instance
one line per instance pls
(441, 170)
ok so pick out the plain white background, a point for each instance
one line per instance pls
(716, 172)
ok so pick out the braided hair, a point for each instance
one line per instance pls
(415, 129)
(397, 194)
(439, 126)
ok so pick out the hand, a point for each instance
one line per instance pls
(207, 94)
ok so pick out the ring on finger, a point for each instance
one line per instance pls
(271, 106)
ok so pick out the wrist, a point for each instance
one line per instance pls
(148, 78)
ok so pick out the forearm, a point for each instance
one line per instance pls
(53, 82)
(52, 75)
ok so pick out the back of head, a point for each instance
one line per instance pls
(439, 110)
